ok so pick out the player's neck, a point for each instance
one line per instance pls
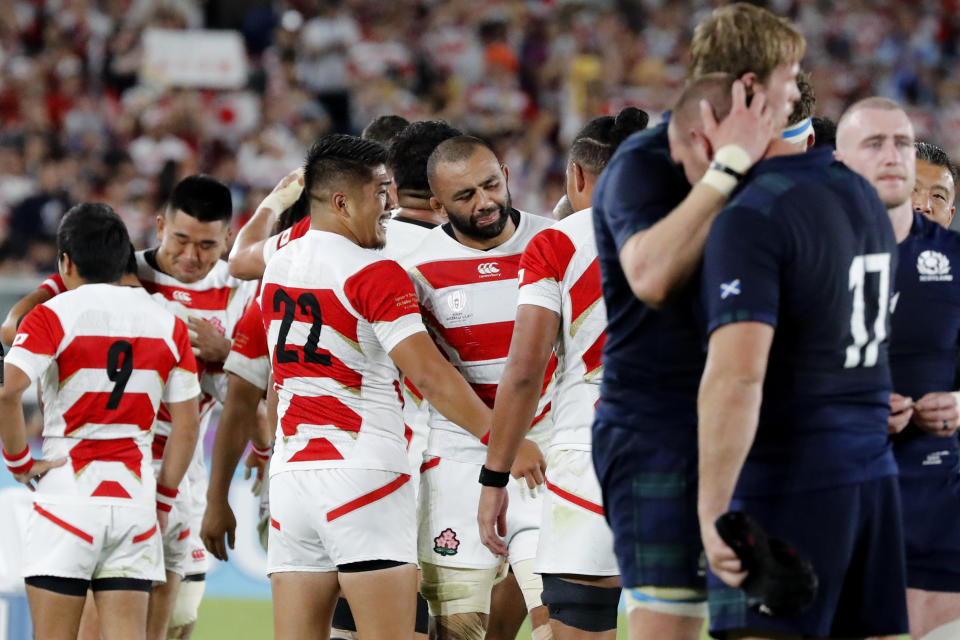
(902, 219)
(416, 208)
(780, 147)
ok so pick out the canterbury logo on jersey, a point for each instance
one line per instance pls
(182, 296)
(488, 269)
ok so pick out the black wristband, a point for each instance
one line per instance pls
(727, 170)
(498, 479)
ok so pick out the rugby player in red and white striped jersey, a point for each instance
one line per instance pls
(560, 310)
(341, 322)
(186, 268)
(105, 357)
(465, 273)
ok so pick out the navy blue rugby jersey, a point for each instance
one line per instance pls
(925, 331)
(807, 247)
(652, 359)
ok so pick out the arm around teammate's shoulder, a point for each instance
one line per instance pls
(441, 384)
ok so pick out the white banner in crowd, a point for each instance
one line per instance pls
(193, 58)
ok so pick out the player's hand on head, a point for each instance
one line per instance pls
(937, 413)
(218, 528)
(750, 127)
(285, 193)
(723, 560)
(529, 464)
(207, 342)
(492, 519)
(37, 471)
(901, 411)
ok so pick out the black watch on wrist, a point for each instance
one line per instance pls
(498, 479)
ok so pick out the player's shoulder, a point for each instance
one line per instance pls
(435, 244)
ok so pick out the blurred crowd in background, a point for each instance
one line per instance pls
(81, 119)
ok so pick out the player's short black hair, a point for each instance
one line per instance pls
(932, 154)
(824, 132)
(454, 149)
(384, 129)
(594, 144)
(336, 157)
(203, 198)
(96, 240)
(131, 267)
(411, 150)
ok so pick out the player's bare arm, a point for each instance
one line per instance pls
(246, 256)
(659, 260)
(237, 424)
(729, 408)
(13, 431)
(185, 420)
(534, 333)
(441, 384)
(8, 330)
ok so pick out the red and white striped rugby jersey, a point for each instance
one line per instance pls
(105, 356)
(468, 299)
(559, 271)
(249, 354)
(218, 298)
(333, 312)
(279, 241)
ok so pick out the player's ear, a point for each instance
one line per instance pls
(581, 180)
(749, 79)
(701, 146)
(506, 172)
(436, 205)
(339, 202)
(161, 222)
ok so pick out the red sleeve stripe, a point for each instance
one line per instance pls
(146, 535)
(382, 292)
(250, 338)
(86, 537)
(368, 498)
(53, 285)
(40, 332)
(547, 256)
(575, 499)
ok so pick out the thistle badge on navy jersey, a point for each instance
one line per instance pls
(933, 266)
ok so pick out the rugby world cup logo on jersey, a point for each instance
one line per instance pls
(933, 266)
(487, 269)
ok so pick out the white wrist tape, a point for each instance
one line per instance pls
(279, 200)
(730, 163)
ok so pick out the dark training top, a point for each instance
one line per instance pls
(652, 359)
(925, 328)
(807, 247)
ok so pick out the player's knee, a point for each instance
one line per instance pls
(186, 607)
(581, 606)
(462, 626)
(674, 601)
(450, 591)
(949, 631)
(531, 584)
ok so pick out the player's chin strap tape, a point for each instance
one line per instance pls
(581, 606)
(20, 462)
(730, 163)
(165, 498)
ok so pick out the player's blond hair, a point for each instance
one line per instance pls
(740, 38)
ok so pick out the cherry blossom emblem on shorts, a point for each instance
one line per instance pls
(446, 543)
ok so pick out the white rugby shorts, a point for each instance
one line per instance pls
(90, 542)
(574, 535)
(323, 518)
(448, 534)
(196, 560)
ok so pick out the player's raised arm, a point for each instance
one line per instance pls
(246, 256)
(441, 384)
